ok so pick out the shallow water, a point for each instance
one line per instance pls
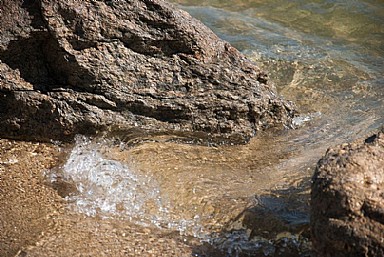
(327, 56)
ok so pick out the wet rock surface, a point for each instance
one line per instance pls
(348, 200)
(71, 67)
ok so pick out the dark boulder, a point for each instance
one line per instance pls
(347, 205)
(69, 67)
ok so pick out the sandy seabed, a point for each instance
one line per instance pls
(35, 222)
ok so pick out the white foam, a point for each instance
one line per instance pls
(109, 188)
(302, 119)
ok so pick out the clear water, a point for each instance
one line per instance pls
(327, 56)
(111, 189)
(107, 187)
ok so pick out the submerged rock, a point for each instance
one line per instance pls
(69, 67)
(347, 208)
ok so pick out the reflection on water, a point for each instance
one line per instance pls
(250, 200)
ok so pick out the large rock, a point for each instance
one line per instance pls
(72, 66)
(347, 205)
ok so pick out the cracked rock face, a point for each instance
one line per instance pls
(69, 67)
(347, 200)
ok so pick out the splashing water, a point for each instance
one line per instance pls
(108, 188)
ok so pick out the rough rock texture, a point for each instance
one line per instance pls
(347, 208)
(70, 67)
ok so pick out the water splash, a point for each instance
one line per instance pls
(109, 188)
(300, 120)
